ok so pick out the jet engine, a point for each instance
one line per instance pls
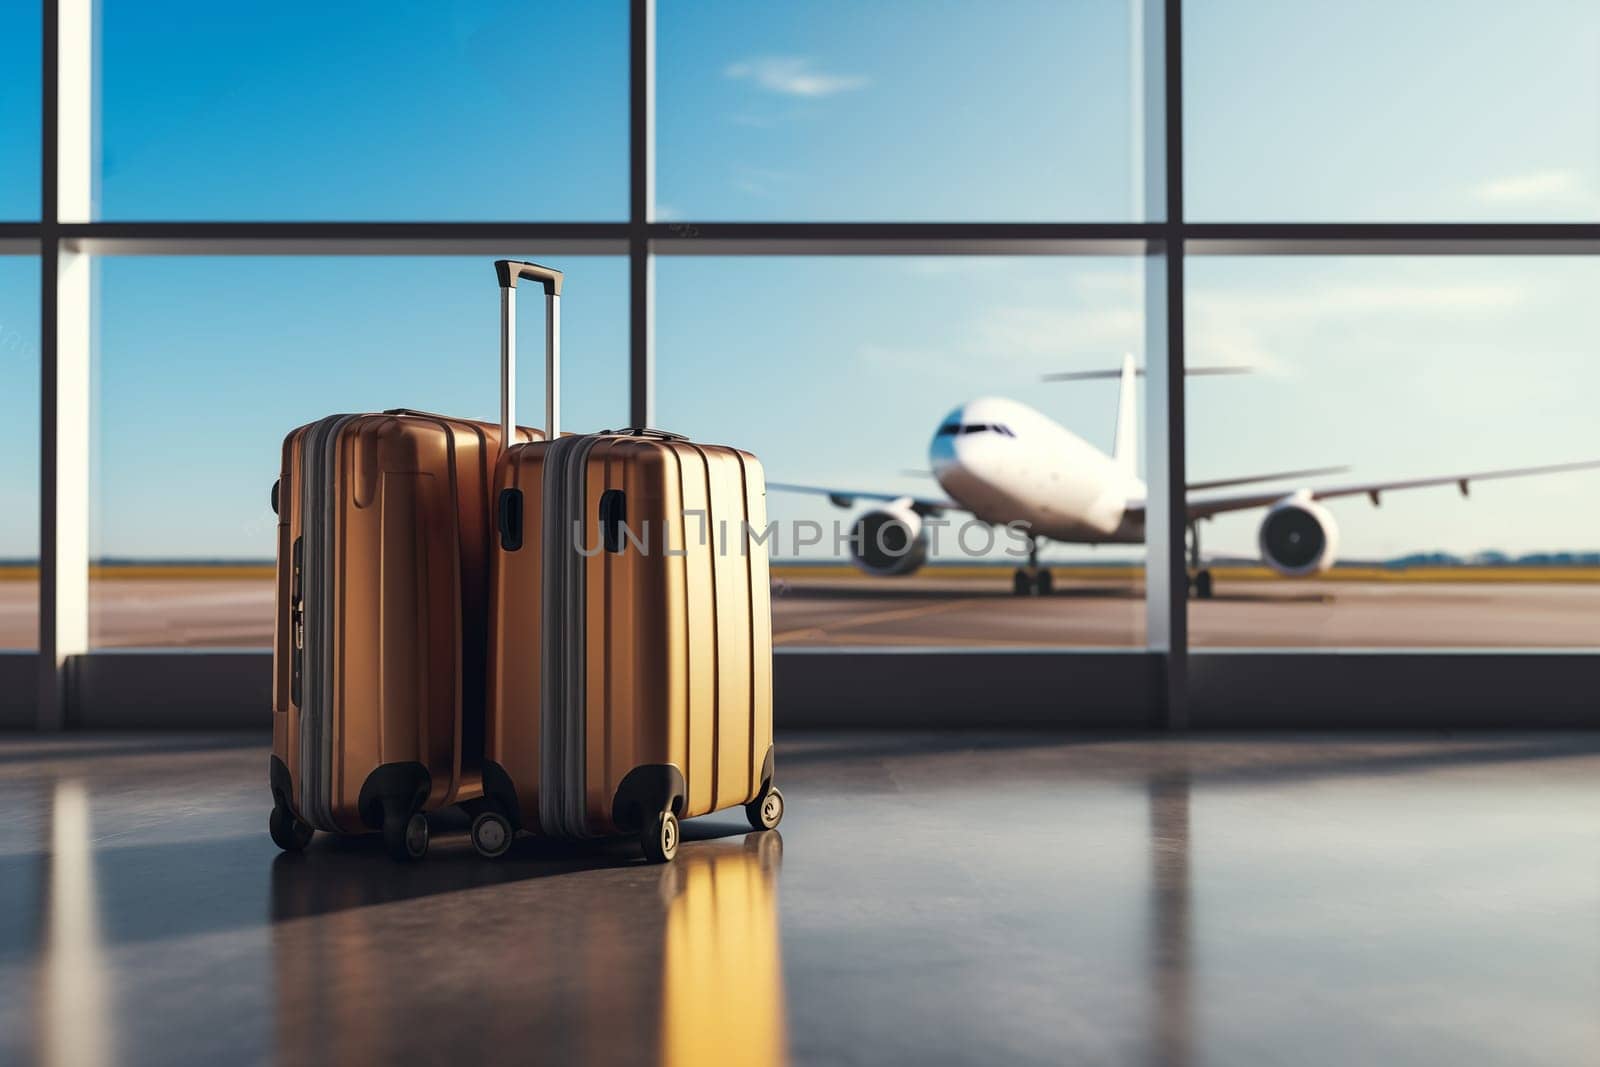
(1298, 537)
(890, 540)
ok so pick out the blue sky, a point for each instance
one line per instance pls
(833, 371)
(363, 110)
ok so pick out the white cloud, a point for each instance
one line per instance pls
(1045, 336)
(1536, 187)
(1230, 326)
(762, 182)
(793, 76)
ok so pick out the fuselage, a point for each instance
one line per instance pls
(1006, 463)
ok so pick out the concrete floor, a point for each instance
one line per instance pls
(929, 899)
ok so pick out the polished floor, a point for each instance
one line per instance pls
(931, 899)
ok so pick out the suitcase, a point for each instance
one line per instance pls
(630, 637)
(384, 526)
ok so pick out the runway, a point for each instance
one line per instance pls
(967, 612)
(1246, 614)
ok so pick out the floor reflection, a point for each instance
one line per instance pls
(73, 1021)
(571, 953)
(723, 979)
(1169, 924)
(944, 899)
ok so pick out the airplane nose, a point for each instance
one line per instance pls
(963, 463)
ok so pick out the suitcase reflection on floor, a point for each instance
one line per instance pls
(576, 953)
(722, 982)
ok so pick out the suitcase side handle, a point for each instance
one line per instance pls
(508, 519)
(508, 272)
(646, 431)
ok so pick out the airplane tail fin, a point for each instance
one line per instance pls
(1191, 370)
(1125, 449)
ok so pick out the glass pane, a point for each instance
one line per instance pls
(1373, 110)
(20, 50)
(19, 452)
(204, 364)
(917, 378)
(894, 111)
(450, 110)
(1398, 369)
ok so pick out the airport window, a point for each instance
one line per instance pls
(19, 111)
(205, 363)
(835, 110)
(1383, 111)
(19, 451)
(1370, 374)
(458, 110)
(881, 220)
(906, 340)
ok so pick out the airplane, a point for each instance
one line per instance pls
(1007, 464)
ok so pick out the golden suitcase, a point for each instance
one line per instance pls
(379, 645)
(630, 638)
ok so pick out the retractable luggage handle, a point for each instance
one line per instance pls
(509, 271)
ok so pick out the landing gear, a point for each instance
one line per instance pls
(659, 838)
(1200, 580)
(766, 810)
(1032, 580)
(289, 831)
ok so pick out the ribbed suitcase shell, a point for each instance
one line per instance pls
(676, 639)
(393, 627)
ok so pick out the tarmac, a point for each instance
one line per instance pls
(962, 612)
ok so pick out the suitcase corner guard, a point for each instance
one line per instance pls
(498, 787)
(282, 785)
(393, 789)
(651, 788)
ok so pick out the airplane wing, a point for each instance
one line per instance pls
(845, 498)
(1200, 509)
(1251, 479)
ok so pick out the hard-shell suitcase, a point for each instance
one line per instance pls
(384, 524)
(630, 638)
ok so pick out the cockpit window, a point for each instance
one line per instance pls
(952, 429)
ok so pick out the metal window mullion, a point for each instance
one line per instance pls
(66, 190)
(641, 204)
(1166, 566)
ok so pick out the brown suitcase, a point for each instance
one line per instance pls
(630, 639)
(379, 644)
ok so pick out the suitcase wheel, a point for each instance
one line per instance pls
(659, 837)
(491, 834)
(289, 832)
(406, 838)
(766, 810)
